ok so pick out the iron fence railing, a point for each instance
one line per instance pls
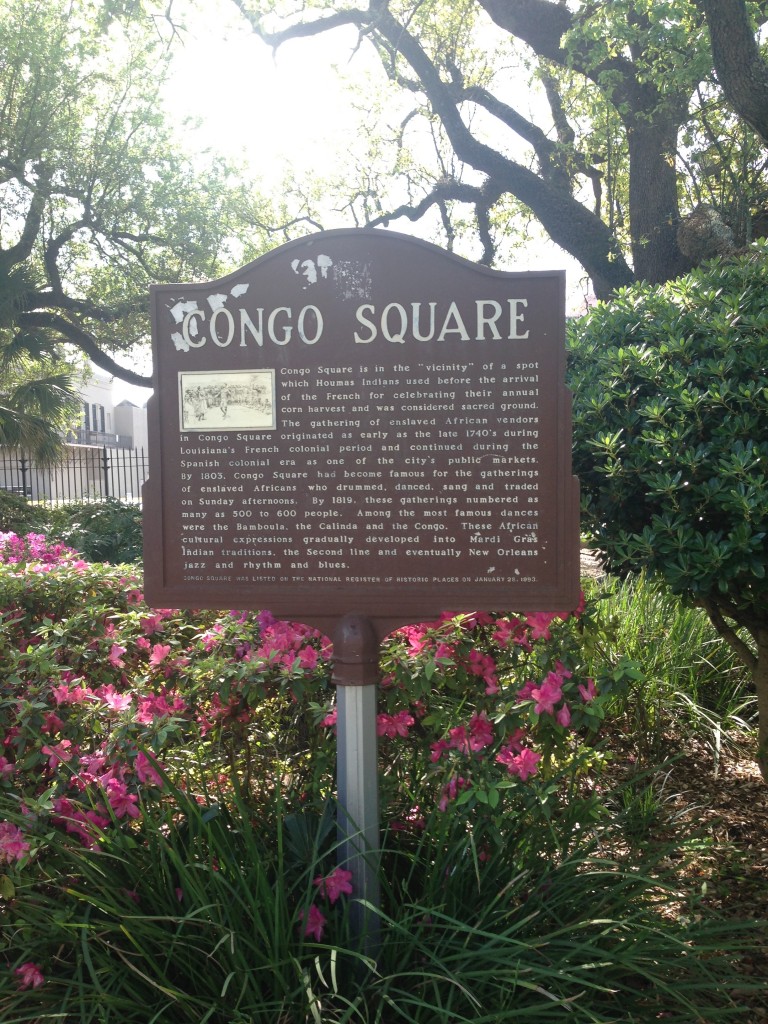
(83, 473)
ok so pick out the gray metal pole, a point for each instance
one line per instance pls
(356, 675)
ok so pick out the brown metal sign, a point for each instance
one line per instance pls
(361, 422)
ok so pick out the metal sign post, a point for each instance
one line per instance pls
(356, 675)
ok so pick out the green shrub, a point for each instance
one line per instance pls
(104, 531)
(17, 515)
(671, 443)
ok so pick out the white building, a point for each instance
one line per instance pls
(103, 423)
(105, 456)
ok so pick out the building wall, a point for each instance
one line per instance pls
(102, 422)
(131, 420)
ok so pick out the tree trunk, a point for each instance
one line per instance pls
(653, 201)
(760, 677)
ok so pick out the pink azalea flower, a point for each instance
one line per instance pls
(265, 619)
(114, 700)
(438, 749)
(473, 619)
(210, 639)
(458, 739)
(120, 800)
(60, 693)
(52, 723)
(526, 690)
(159, 653)
(336, 884)
(157, 706)
(512, 631)
(330, 719)
(480, 731)
(563, 716)
(7, 768)
(484, 666)
(315, 922)
(308, 657)
(58, 752)
(151, 624)
(29, 975)
(539, 623)
(547, 695)
(13, 845)
(523, 764)
(417, 638)
(445, 652)
(588, 692)
(86, 825)
(94, 765)
(115, 656)
(394, 725)
(145, 772)
(504, 630)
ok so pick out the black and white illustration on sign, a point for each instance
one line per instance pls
(227, 400)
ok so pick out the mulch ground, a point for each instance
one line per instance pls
(723, 802)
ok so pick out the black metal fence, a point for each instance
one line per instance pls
(84, 473)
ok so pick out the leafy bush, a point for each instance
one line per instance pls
(170, 852)
(104, 531)
(671, 443)
(17, 515)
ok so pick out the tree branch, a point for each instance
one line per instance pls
(84, 341)
(302, 30)
(23, 248)
(566, 221)
(729, 634)
(741, 70)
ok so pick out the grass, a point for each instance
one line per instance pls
(690, 679)
(519, 938)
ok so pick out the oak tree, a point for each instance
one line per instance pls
(632, 129)
(98, 198)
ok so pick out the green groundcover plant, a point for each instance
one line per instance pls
(167, 833)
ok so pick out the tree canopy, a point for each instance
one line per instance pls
(98, 199)
(608, 121)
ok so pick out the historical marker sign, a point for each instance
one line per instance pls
(361, 422)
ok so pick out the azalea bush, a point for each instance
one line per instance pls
(167, 829)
